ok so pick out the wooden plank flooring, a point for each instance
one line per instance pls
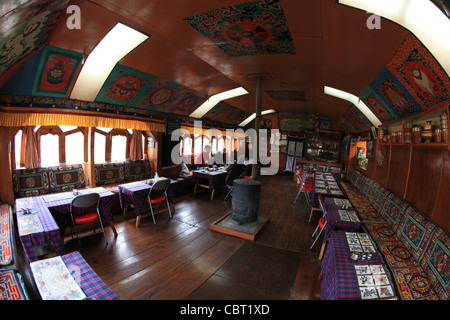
(176, 257)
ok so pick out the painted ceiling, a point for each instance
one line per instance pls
(198, 48)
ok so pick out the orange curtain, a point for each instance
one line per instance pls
(136, 152)
(29, 158)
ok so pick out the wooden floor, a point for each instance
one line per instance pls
(181, 258)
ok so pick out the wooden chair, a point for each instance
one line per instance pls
(84, 202)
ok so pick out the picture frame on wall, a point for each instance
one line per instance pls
(369, 153)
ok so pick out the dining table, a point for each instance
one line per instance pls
(136, 193)
(36, 223)
(325, 185)
(209, 178)
(69, 277)
(352, 269)
(341, 215)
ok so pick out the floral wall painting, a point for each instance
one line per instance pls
(246, 29)
(56, 71)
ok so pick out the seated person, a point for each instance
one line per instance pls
(203, 158)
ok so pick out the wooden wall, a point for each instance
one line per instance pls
(418, 173)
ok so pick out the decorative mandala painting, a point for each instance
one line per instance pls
(169, 97)
(420, 73)
(123, 86)
(356, 119)
(246, 29)
(395, 95)
(56, 71)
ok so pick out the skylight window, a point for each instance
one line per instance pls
(253, 116)
(215, 99)
(422, 18)
(101, 61)
(354, 100)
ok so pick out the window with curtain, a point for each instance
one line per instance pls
(49, 144)
(74, 145)
(100, 147)
(118, 148)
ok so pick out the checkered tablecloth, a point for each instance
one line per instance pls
(87, 279)
(325, 185)
(49, 233)
(334, 220)
(138, 193)
(339, 277)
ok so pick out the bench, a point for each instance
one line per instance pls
(110, 175)
(414, 248)
(40, 181)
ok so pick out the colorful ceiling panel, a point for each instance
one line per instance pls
(56, 71)
(375, 104)
(394, 95)
(123, 86)
(25, 29)
(170, 97)
(225, 113)
(420, 74)
(246, 29)
(355, 121)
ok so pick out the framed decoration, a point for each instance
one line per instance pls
(55, 72)
(369, 153)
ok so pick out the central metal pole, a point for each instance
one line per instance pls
(255, 144)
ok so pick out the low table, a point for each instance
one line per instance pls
(345, 278)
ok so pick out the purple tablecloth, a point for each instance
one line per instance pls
(339, 277)
(86, 278)
(138, 195)
(49, 234)
(330, 188)
(334, 220)
(214, 180)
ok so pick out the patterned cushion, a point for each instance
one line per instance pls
(109, 173)
(413, 284)
(353, 176)
(137, 170)
(360, 203)
(30, 182)
(361, 182)
(380, 231)
(436, 263)
(379, 196)
(415, 231)
(66, 178)
(396, 254)
(393, 210)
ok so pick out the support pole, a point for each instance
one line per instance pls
(255, 144)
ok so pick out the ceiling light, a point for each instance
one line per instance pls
(215, 99)
(430, 25)
(253, 116)
(354, 100)
(119, 41)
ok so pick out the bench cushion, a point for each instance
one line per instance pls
(66, 178)
(30, 182)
